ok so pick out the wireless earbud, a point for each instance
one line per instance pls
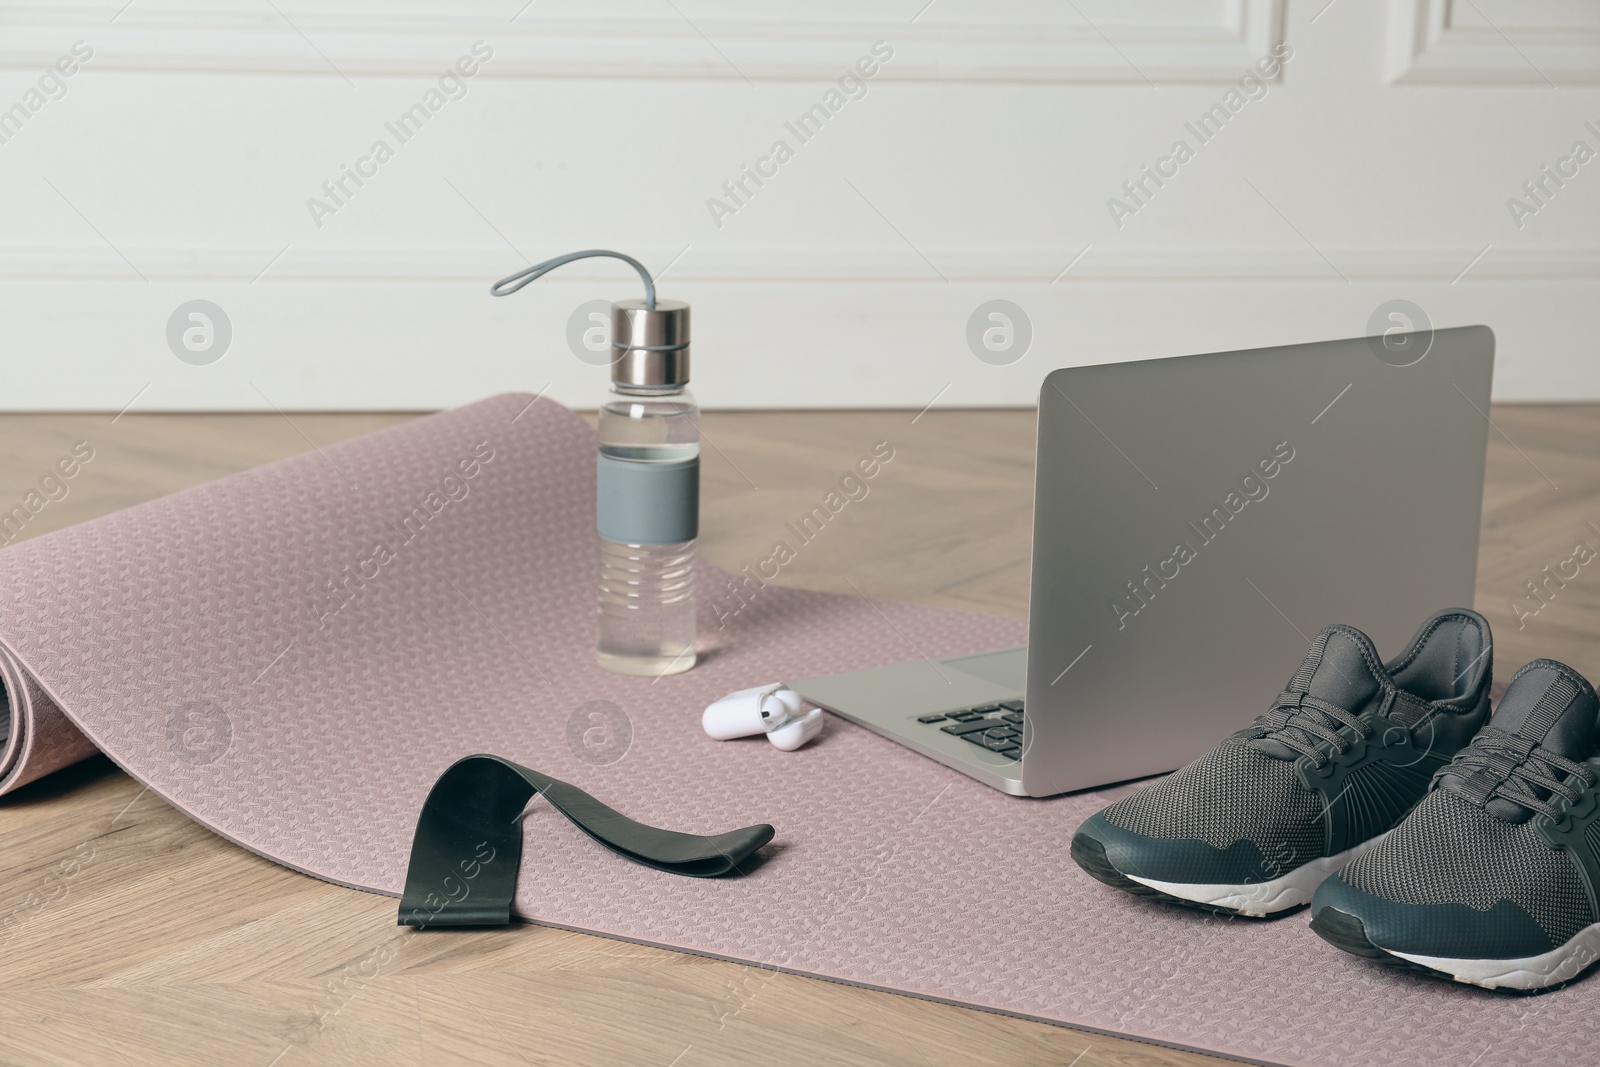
(774, 710)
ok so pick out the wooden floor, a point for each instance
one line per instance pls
(128, 935)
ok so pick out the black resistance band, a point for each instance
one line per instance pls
(468, 845)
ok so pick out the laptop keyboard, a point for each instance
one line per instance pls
(995, 727)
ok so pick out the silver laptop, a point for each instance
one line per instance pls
(1197, 521)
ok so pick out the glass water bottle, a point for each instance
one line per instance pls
(649, 494)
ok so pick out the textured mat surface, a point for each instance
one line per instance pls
(293, 654)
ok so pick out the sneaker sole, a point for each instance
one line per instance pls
(1533, 974)
(1251, 900)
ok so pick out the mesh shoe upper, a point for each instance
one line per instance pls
(1475, 871)
(1449, 851)
(1232, 793)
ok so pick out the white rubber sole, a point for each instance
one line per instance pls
(1260, 899)
(1535, 972)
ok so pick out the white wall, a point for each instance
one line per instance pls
(978, 166)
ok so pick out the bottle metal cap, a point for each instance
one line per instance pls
(650, 346)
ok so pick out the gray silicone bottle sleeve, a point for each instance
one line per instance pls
(648, 503)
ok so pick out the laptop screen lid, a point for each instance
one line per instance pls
(1198, 520)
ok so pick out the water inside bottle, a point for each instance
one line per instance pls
(646, 592)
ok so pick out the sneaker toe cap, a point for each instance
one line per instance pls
(1178, 860)
(1445, 930)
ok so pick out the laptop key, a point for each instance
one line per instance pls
(930, 718)
(1011, 705)
(1014, 753)
(1013, 717)
(998, 744)
(961, 728)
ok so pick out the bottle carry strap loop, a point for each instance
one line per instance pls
(504, 286)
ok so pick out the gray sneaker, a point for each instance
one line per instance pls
(1492, 879)
(1254, 825)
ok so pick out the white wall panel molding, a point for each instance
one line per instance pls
(1131, 41)
(306, 345)
(1023, 266)
(1554, 42)
(197, 135)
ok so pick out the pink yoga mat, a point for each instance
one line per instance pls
(292, 655)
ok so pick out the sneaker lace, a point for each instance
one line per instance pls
(1500, 764)
(1310, 726)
